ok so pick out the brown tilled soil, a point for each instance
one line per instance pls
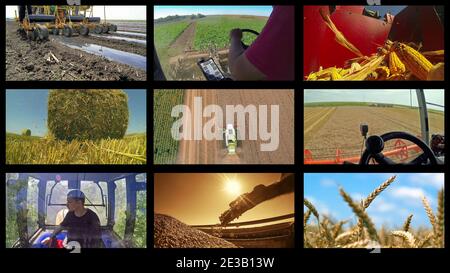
(27, 60)
(248, 152)
(171, 233)
(123, 45)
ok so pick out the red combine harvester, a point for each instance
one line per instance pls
(367, 31)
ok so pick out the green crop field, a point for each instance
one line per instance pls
(215, 30)
(131, 149)
(166, 33)
(165, 148)
(210, 31)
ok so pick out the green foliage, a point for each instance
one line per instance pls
(214, 31)
(140, 231)
(165, 34)
(11, 218)
(165, 148)
(174, 18)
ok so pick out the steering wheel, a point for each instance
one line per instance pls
(249, 31)
(375, 146)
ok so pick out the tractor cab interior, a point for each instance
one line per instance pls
(42, 198)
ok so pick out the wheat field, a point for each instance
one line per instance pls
(132, 149)
(324, 232)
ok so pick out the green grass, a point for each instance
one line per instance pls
(36, 150)
(165, 34)
(165, 148)
(215, 30)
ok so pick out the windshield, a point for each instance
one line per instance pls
(57, 199)
(185, 34)
(333, 120)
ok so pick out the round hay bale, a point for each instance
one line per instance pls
(87, 114)
(26, 132)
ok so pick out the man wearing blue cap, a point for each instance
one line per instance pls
(81, 223)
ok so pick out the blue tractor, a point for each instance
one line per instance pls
(42, 197)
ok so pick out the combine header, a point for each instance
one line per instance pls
(36, 22)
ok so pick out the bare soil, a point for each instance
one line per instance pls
(29, 60)
(248, 152)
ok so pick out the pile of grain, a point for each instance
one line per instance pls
(171, 233)
(87, 114)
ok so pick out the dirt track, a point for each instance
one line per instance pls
(184, 42)
(248, 152)
(27, 60)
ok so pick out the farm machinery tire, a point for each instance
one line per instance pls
(105, 29)
(68, 31)
(84, 30)
(42, 33)
(113, 28)
(98, 29)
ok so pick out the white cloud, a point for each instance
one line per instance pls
(328, 183)
(407, 192)
(435, 180)
(381, 205)
(321, 207)
(357, 196)
(409, 195)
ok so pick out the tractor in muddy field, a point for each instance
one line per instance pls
(37, 22)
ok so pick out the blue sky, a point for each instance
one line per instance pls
(163, 11)
(394, 96)
(27, 108)
(391, 207)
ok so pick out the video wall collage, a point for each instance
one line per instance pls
(254, 120)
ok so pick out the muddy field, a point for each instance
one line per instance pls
(329, 128)
(105, 57)
(248, 151)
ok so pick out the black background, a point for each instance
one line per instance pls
(164, 260)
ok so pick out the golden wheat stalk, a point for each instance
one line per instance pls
(407, 223)
(407, 237)
(430, 215)
(306, 218)
(425, 240)
(440, 217)
(362, 215)
(358, 244)
(377, 191)
(311, 207)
